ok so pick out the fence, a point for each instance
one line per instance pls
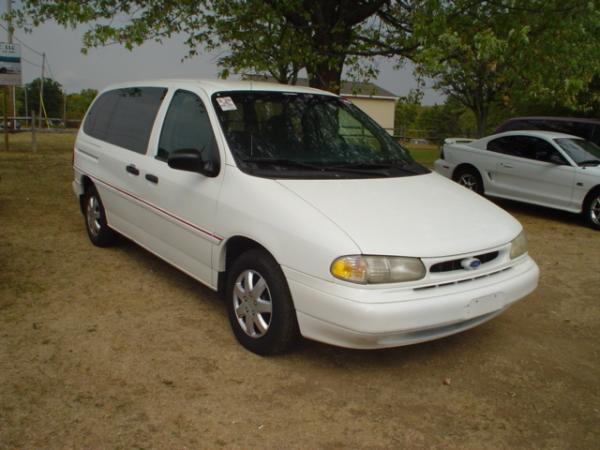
(24, 123)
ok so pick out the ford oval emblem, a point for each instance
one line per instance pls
(470, 263)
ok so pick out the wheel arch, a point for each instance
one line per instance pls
(588, 196)
(86, 182)
(463, 166)
(230, 250)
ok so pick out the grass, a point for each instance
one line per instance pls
(47, 142)
(425, 154)
(53, 142)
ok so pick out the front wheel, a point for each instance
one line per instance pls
(259, 304)
(591, 209)
(470, 178)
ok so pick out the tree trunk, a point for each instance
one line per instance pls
(324, 76)
(481, 115)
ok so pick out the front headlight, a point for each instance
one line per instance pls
(377, 269)
(518, 246)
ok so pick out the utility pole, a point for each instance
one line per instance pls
(10, 89)
(26, 104)
(42, 88)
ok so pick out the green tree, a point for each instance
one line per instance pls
(78, 103)
(277, 36)
(53, 97)
(483, 53)
(438, 122)
(407, 111)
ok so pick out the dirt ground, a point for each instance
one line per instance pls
(112, 348)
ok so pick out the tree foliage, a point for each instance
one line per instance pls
(78, 103)
(276, 36)
(53, 97)
(479, 53)
(484, 52)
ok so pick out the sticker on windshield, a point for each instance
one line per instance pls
(346, 100)
(226, 104)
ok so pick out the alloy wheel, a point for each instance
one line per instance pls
(469, 181)
(252, 303)
(93, 215)
(595, 210)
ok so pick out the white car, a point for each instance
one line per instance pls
(297, 206)
(540, 167)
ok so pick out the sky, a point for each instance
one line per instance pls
(103, 66)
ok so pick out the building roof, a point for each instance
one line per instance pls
(347, 89)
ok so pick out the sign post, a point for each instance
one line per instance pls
(10, 75)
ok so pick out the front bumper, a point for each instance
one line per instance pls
(368, 317)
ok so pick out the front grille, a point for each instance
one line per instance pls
(454, 264)
(453, 283)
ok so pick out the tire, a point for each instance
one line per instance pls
(470, 178)
(591, 209)
(95, 220)
(264, 321)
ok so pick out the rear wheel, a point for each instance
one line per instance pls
(95, 220)
(259, 304)
(470, 178)
(591, 209)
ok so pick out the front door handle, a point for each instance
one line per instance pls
(132, 169)
(508, 166)
(152, 178)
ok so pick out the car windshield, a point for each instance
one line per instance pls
(297, 135)
(580, 150)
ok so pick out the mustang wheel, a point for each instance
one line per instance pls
(591, 209)
(470, 178)
(95, 220)
(259, 304)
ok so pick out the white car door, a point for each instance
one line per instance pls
(530, 169)
(184, 203)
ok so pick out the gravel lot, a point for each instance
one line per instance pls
(115, 349)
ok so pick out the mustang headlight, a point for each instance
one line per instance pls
(377, 269)
(518, 246)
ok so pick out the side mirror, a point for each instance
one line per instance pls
(557, 159)
(191, 160)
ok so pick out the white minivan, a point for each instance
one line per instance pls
(306, 215)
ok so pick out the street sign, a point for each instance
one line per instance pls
(10, 64)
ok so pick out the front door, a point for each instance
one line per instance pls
(184, 202)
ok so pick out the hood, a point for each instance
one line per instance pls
(593, 171)
(422, 216)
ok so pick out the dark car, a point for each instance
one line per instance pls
(586, 128)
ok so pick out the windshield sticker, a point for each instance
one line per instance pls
(346, 100)
(226, 104)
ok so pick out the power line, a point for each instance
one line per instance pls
(31, 62)
(21, 42)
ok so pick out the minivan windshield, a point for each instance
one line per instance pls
(298, 135)
(581, 151)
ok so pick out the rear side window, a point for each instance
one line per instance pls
(125, 117)
(505, 145)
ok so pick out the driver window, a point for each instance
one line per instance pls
(355, 133)
(540, 150)
(186, 126)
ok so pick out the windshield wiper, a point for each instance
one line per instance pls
(589, 162)
(367, 169)
(282, 162)
(395, 164)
